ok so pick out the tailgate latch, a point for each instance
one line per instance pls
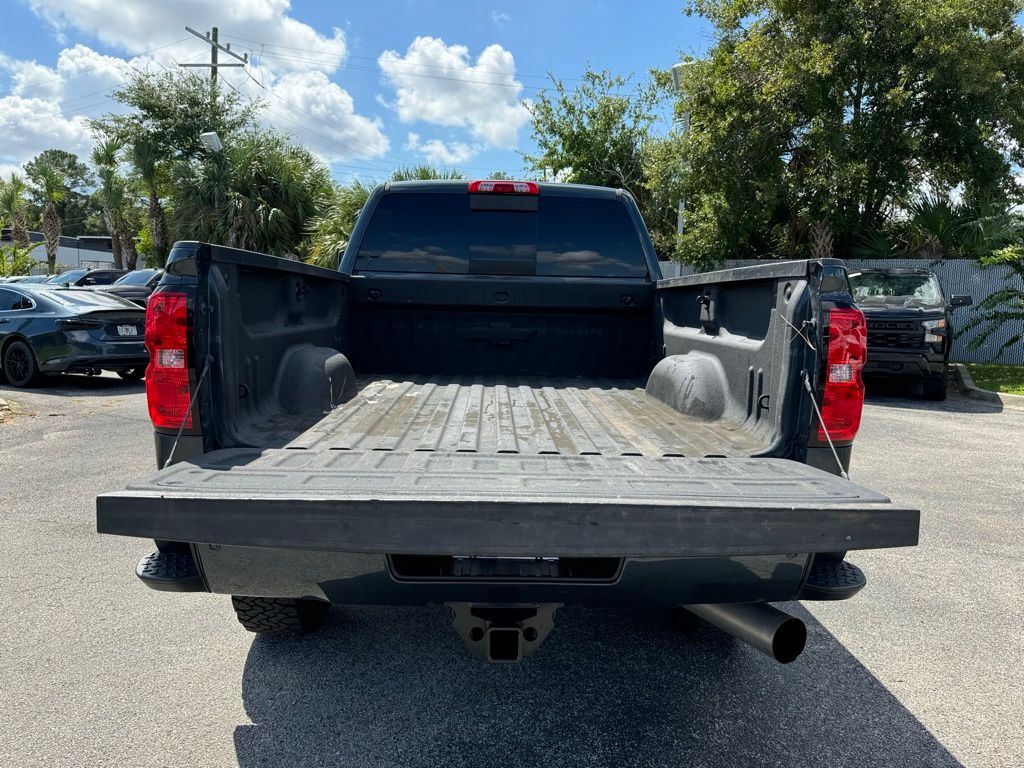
(707, 302)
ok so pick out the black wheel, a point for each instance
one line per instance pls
(20, 364)
(280, 615)
(935, 387)
(132, 374)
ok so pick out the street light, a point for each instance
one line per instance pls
(684, 126)
(211, 141)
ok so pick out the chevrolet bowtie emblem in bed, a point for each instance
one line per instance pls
(501, 333)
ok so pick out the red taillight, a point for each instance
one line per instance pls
(505, 187)
(167, 388)
(843, 400)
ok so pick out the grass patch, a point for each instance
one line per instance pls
(1008, 379)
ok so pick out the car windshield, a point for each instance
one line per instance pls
(907, 290)
(71, 276)
(138, 277)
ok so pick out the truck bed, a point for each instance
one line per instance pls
(529, 416)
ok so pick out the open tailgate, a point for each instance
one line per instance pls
(428, 503)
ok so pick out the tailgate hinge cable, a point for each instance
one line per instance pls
(821, 421)
(191, 405)
(800, 331)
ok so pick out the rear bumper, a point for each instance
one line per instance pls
(369, 579)
(900, 362)
(80, 356)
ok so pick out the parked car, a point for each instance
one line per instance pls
(27, 279)
(87, 277)
(495, 404)
(910, 331)
(136, 286)
(47, 329)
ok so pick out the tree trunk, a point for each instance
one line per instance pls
(19, 230)
(51, 234)
(158, 229)
(127, 238)
(115, 240)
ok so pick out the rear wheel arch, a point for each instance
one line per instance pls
(7, 344)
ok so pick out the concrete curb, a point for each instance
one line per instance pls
(973, 391)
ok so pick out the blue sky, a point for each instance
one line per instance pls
(365, 85)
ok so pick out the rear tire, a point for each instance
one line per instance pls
(19, 364)
(935, 387)
(132, 374)
(280, 615)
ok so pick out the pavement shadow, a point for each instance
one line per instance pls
(395, 687)
(78, 385)
(899, 394)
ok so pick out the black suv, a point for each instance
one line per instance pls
(88, 277)
(909, 325)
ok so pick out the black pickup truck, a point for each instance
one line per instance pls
(910, 326)
(495, 404)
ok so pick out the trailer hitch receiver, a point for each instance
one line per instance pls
(503, 633)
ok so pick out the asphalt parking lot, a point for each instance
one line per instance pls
(923, 668)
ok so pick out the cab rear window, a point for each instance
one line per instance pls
(445, 233)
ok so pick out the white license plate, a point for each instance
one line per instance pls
(127, 330)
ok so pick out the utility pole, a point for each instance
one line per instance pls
(215, 64)
(684, 125)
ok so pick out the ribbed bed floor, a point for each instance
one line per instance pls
(520, 416)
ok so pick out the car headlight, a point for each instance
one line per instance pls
(934, 330)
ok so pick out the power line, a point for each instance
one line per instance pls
(215, 64)
(357, 68)
(370, 58)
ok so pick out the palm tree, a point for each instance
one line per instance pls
(259, 193)
(144, 158)
(13, 208)
(112, 194)
(329, 232)
(51, 190)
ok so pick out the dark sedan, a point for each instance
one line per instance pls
(48, 329)
(135, 286)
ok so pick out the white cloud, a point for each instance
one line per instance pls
(309, 100)
(500, 19)
(437, 152)
(43, 108)
(439, 84)
(29, 126)
(139, 25)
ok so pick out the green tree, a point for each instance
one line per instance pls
(112, 194)
(145, 157)
(50, 187)
(835, 112)
(76, 208)
(170, 109)
(330, 232)
(14, 208)
(606, 132)
(16, 259)
(258, 193)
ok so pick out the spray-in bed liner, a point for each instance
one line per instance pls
(572, 417)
